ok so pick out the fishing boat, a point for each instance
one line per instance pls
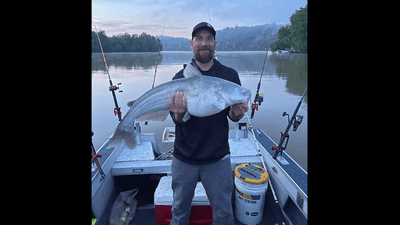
(286, 199)
(146, 169)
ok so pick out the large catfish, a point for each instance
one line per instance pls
(205, 96)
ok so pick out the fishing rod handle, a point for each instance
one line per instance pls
(117, 109)
(252, 113)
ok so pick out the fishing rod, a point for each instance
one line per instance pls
(296, 121)
(215, 51)
(94, 158)
(112, 88)
(158, 56)
(260, 97)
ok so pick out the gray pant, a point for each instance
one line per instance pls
(217, 181)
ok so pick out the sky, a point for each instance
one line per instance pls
(149, 16)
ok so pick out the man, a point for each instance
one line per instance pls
(201, 149)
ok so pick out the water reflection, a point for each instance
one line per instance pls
(293, 67)
(129, 61)
(289, 67)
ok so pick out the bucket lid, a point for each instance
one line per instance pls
(251, 173)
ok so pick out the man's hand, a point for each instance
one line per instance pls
(237, 111)
(177, 105)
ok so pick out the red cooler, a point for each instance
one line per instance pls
(201, 210)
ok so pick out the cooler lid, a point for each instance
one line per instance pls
(164, 194)
(251, 173)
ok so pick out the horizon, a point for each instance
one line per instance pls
(189, 37)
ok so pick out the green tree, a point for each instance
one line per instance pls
(294, 35)
(95, 43)
(299, 31)
(125, 43)
(284, 41)
(105, 42)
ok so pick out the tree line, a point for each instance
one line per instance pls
(125, 42)
(238, 38)
(293, 37)
(254, 38)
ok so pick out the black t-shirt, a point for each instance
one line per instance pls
(203, 140)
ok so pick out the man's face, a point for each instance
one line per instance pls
(203, 46)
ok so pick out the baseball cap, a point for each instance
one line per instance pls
(203, 25)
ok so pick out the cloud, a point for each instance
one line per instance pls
(202, 6)
(120, 16)
(176, 28)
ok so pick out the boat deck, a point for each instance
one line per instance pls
(127, 169)
(294, 170)
(141, 160)
(239, 149)
(145, 212)
(271, 215)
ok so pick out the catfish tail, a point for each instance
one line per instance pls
(121, 134)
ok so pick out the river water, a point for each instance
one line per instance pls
(284, 81)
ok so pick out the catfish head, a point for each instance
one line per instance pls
(234, 94)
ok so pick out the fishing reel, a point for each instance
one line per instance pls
(115, 87)
(257, 101)
(297, 121)
(260, 99)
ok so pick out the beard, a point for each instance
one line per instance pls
(204, 56)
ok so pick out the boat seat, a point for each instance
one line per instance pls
(243, 147)
(129, 158)
(140, 152)
(242, 151)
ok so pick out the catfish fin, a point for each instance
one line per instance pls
(154, 116)
(191, 71)
(220, 104)
(129, 104)
(186, 117)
